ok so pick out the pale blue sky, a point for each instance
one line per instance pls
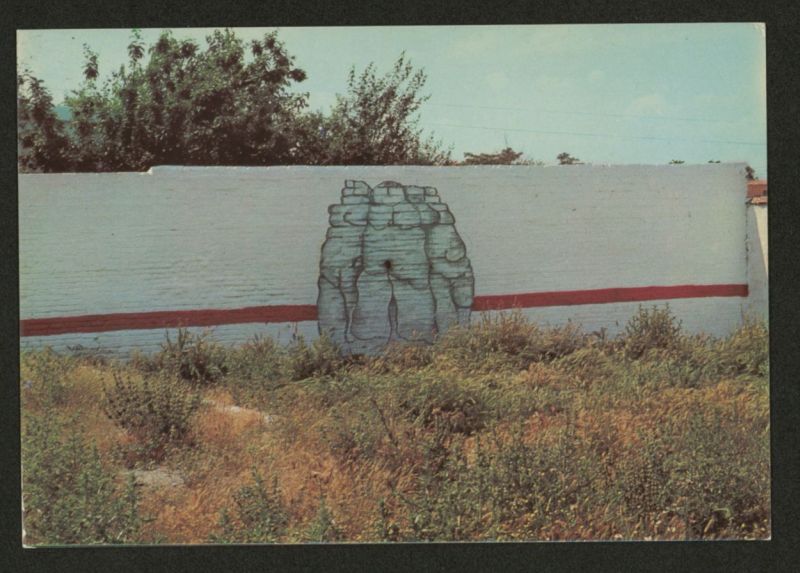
(618, 94)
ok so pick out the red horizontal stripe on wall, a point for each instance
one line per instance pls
(605, 295)
(166, 319)
(302, 312)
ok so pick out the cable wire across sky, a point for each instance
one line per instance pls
(578, 112)
(588, 134)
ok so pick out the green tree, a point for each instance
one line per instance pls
(225, 104)
(41, 138)
(175, 103)
(567, 159)
(376, 121)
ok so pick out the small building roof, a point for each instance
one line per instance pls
(756, 188)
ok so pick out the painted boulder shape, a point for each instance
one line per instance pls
(392, 268)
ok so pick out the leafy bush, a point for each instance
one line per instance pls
(259, 515)
(541, 480)
(720, 474)
(192, 357)
(154, 411)
(427, 397)
(643, 477)
(508, 339)
(445, 505)
(69, 496)
(352, 432)
(45, 377)
(259, 368)
(510, 480)
(369, 416)
(542, 391)
(259, 358)
(324, 527)
(254, 371)
(663, 373)
(745, 351)
(650, 329)
(400, 357)
(504, 334)
(586, 365)
(320, 358)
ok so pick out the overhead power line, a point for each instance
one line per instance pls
(611, 135)
(589, 113)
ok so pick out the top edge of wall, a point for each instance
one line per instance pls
(214, 169)
(256, 170)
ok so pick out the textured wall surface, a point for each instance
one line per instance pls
(222, 238)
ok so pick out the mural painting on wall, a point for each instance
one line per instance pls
(393, 268)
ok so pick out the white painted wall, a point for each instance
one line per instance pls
(757, 261)
(193, 238)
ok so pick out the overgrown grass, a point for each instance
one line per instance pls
(70, 495)
(503, 430)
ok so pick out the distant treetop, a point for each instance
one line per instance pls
(567, 159)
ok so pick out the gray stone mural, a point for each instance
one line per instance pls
(392, 268)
